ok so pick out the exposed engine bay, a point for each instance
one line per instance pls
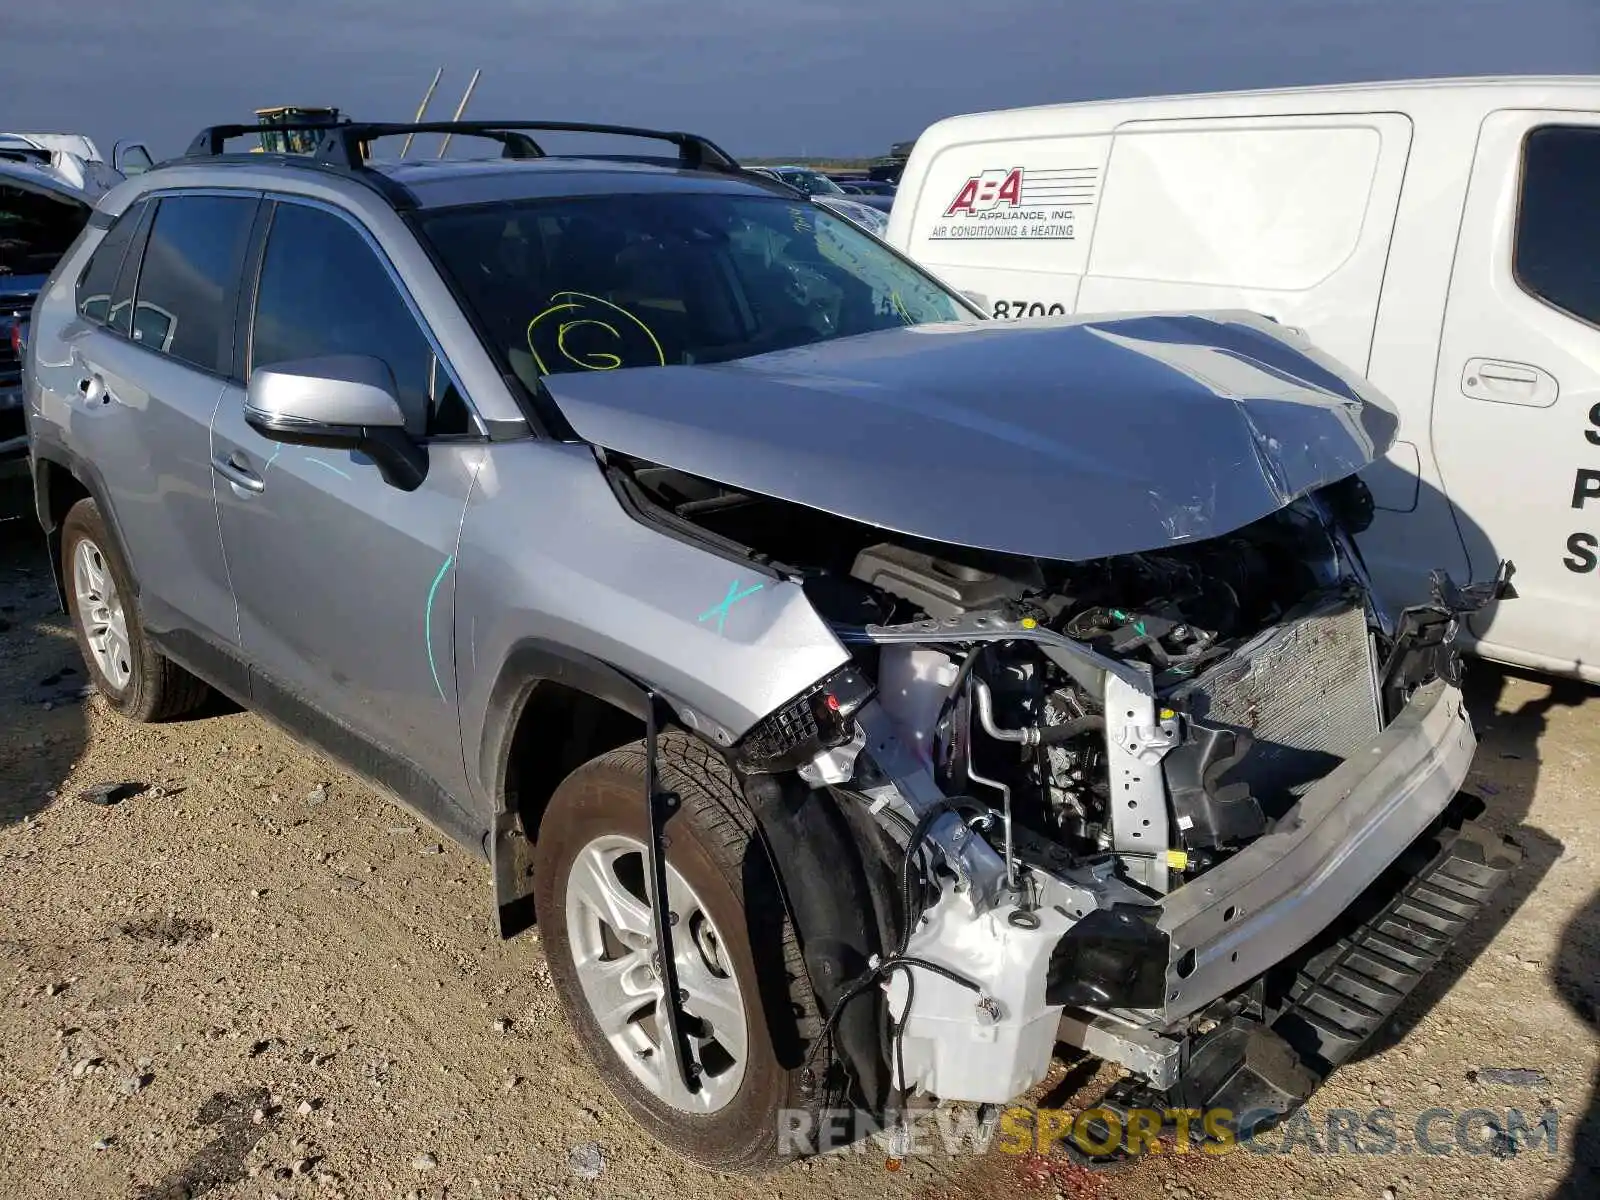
(1011, 721)
(1127, 791)
(999, 719)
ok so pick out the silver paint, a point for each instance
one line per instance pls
(1064, 439)
(339, 389)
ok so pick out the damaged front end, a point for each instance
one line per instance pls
(1146, 767)
(1139, 800)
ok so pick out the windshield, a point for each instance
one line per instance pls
(601, 282)
(36, 228)
(812, 183)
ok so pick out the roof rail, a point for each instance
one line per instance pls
(208, 143)
(345, 144)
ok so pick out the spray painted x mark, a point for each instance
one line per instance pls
(720, 611)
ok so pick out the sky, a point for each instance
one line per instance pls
(760, 77)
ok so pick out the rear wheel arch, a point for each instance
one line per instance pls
(57, 486)
(124, 665)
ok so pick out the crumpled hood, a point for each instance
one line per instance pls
(1066, 439)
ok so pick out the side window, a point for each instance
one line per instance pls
(194, 254)
(99, 278)
(120, 317)
(323, 291)
(1558, 236)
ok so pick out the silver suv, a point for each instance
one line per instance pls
(867, 697)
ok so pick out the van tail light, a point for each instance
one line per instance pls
(17, 343)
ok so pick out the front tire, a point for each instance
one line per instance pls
(738, 961)
(135, 678)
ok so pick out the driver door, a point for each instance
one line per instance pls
(345, 584)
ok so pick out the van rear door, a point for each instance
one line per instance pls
(1516, 424)
(1289, 216)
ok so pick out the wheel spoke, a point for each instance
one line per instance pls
(101, 615)
(714, 1000)
(617, 989)
(594, 880)
(673, 1089)
(603, 914)
(117, 655)
(94, 568)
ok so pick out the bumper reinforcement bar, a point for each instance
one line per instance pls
(1346, 986)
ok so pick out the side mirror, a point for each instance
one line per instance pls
(131, 158)
(342, 402)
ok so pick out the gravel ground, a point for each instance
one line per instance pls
(258, 978)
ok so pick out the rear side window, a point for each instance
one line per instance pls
(193, 257)
(99, 278)
(323, 291)
(120, 318)
(1557, 255)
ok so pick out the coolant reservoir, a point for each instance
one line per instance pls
(912, 685)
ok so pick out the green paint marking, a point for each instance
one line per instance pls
(720, 611)
(427, 624)
(327, 466)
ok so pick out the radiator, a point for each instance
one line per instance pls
(1305, 691)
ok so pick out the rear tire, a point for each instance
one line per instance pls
(136, 679)
(719, 871)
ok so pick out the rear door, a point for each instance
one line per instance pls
(1516, 425)
(345, 584)
(152, 357)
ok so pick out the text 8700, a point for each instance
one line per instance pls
(1015, 309)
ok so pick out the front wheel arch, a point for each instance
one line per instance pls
(832, 863)
(544, 728)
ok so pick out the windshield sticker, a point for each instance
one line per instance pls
(1016, 203)
(569, 309)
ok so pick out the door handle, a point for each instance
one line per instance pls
(1506, 373)
(237, 471)
(1501, 382)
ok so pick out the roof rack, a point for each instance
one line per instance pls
(209, 142)
(345, 144)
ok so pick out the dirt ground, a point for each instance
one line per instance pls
(260, 979)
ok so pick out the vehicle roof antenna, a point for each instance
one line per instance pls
(427, 98)
(461, 108)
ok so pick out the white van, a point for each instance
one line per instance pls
(1443, 236)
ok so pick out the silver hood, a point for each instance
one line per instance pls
(1069, 439)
